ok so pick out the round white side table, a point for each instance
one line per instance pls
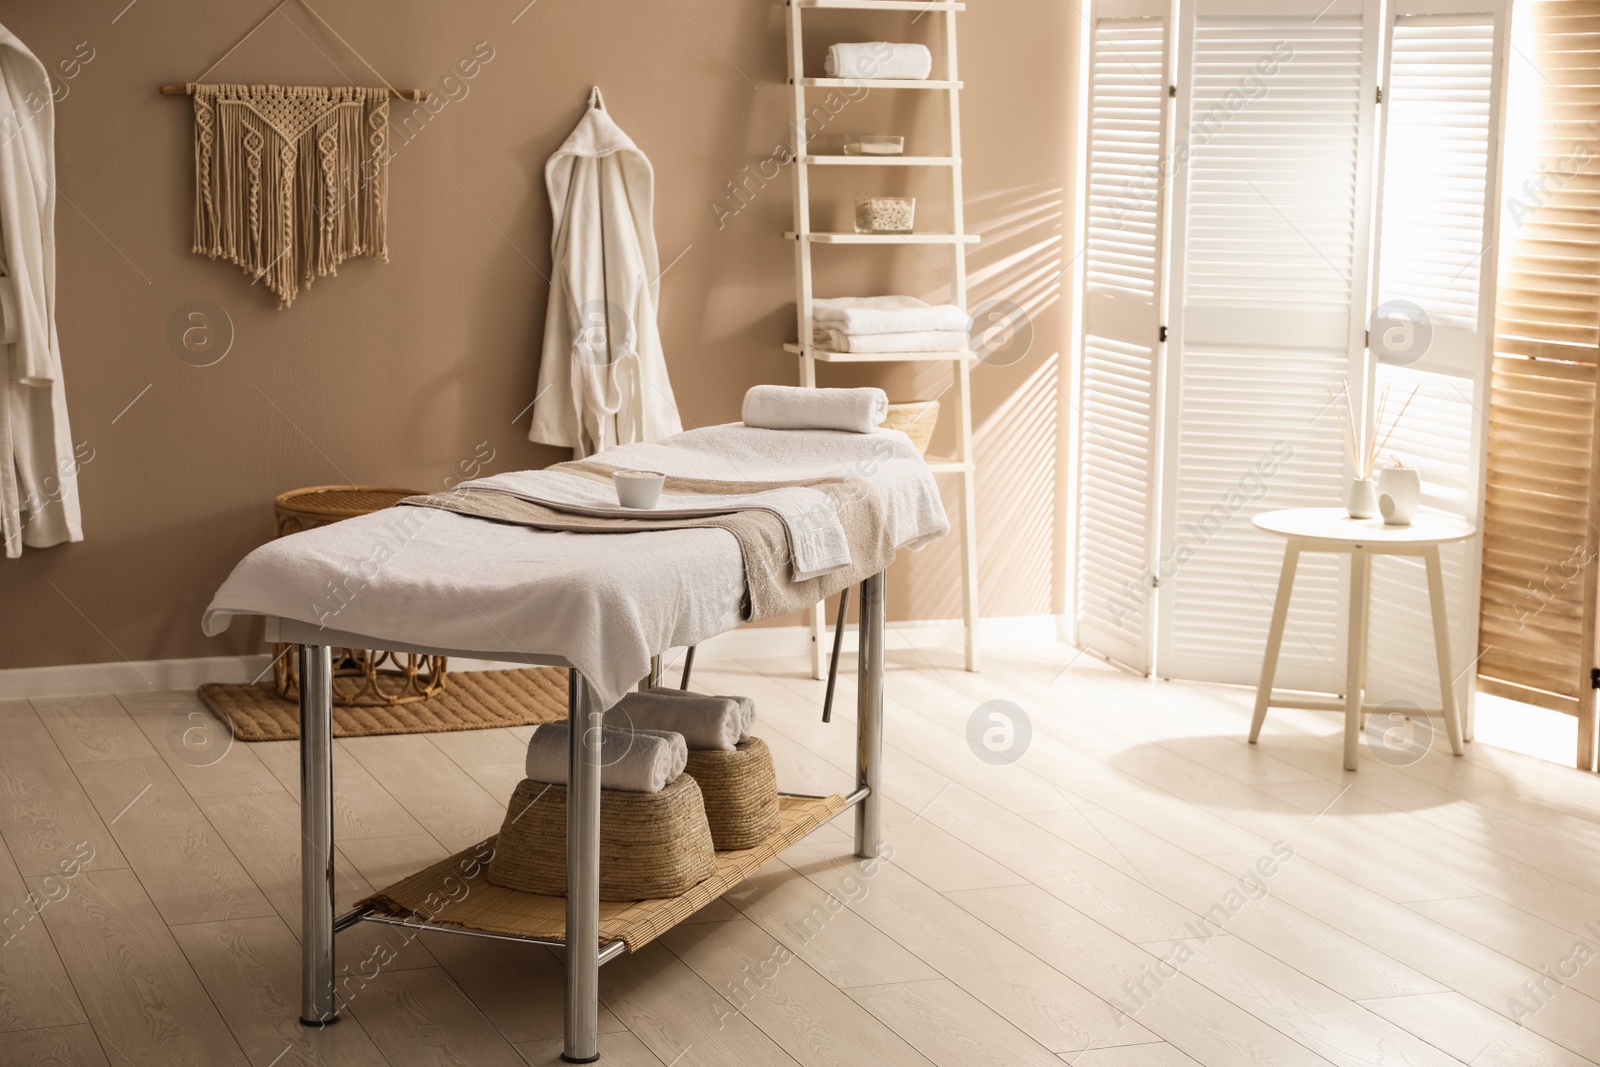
(1333, 530)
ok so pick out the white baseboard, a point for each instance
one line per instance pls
(84, 679)
(752, 642)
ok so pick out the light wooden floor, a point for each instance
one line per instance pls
(1041, 912)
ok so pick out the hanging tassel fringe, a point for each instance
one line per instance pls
(290, 181)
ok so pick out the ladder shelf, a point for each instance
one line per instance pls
(962, 465)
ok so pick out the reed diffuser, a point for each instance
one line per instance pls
(1364, 444)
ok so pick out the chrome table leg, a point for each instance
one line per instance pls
(316, 831)
(869, 715)
(583, 875)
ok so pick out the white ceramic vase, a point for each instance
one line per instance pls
(1362, 500)
(1399, 494)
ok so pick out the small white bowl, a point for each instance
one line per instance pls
(638, 489)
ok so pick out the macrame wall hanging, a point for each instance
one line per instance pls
(290, 181)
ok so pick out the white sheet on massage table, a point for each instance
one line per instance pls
(604, 602)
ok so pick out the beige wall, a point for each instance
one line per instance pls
(394, 373)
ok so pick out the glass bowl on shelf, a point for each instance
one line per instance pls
(875, 144)
(885, 214)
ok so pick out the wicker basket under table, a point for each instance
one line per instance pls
(374, 678)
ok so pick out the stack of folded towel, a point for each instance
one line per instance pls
(888, 324)
(646, 738)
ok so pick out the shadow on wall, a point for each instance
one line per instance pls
(1015, 292)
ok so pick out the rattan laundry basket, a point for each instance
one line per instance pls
(651, 844)
(740, 788)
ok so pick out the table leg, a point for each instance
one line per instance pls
(582, 1043)
(654, 678)
(1441, 648)
(316, 831)
(869, 716)
(1355, 672)
(1280, 616)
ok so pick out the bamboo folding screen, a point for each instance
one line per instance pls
(1542, 503)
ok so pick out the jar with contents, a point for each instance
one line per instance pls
(875, 144)
(885, 214)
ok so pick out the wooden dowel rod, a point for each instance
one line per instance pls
(398, 94)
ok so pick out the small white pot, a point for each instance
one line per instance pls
(1399, 494)
(1362, 500)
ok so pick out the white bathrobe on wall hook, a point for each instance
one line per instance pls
(38, 464)
(602, 375)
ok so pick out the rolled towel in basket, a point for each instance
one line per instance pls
(634, 761)
(790, 407)
(879, 59)
(885, 314)
(706, 722)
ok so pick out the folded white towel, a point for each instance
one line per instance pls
(705, 722)
(919, 341)
(635, 761)
(790, 407)
(886, 314)
(879, 59)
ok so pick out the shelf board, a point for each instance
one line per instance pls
(877, 83)
(828, 355)
(945, 465)
(886, 238)
(878, 161)
(886, 5)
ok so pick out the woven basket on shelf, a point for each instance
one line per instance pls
(916, 419)
(651, 844)
(740, 789)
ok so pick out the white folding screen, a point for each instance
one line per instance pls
(1436, 254)
(1117, 419)
(1269, 262)
(1273, 267)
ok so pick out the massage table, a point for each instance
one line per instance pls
(603, 606)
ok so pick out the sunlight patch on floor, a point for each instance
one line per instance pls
(1527, 729)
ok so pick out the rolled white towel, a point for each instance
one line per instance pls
(706, 722)
(790, 407)
(886, 314)
(634, 761)
(879, 59)
(919, 341)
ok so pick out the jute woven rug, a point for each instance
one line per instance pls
(470, 700)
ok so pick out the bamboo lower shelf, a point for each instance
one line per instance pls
(455, 896)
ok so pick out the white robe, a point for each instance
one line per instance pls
(38, 470)
(602, 376)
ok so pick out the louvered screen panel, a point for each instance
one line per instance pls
(1537, 612)
(1435, 232)
(1269, 262)
(1538, 535)
(1438, 438)
(1117, 381)
(1436, 164)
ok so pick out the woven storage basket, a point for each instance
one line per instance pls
(740, 789)
(916, 419)
(651, 844)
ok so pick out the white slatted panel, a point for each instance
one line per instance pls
(1117, 382)
(1435, 172)
(1127, 102)
(1269, 263)
(1273, 177)
(1440, 155)
(1437, 437)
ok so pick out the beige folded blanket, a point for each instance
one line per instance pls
(770, 587)
(635, 761)
(706, 722)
